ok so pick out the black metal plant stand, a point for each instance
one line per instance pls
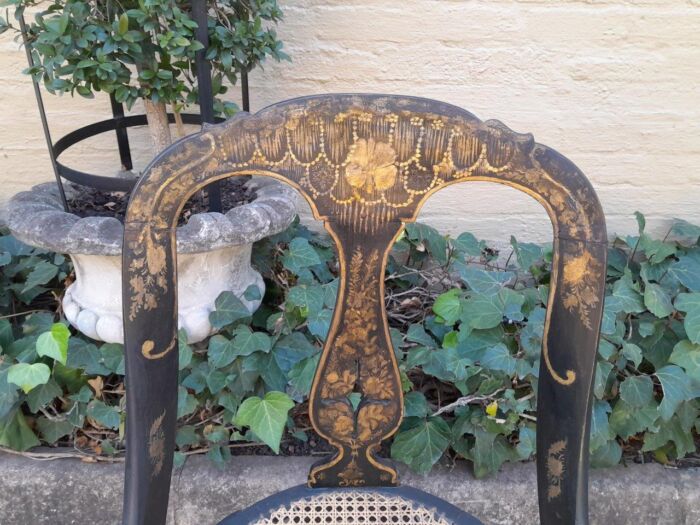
(119, 123)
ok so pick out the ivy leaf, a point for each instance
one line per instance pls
(627, 292)
(245, 341)
(687, 271)
(602, 373)
(600, 429)
(482, 281)
(415, 405)
(252, 293)
(42, 273)
(687, 355)
(86, 356)
(429, 237)
(307, 297)
(498, 358)
(637, 391)
(42, 395)
(228, 310)
(53, 430)
(686, 230)
(633, 353)
(526, 253)
(320, 324)
(489, 453)
(221, 351)
(291, 349)
(184, 351)
(626, 421)
(105, 415)
(301, 375)
(422, 446)
(448, 306)
(672, 431)
(6, 336)
(266, 417)
(607, 455)
(690, 304)
(186, 402)
(677, 388)
(467, 244)
(657, 300)
(15, 433)
(527, 443)
(28, 376)
(482, 311)
(54, 343)
(417, 334)
(300, 255)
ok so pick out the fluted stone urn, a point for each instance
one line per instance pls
(213, 255)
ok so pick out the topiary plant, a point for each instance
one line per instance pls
(145, 49)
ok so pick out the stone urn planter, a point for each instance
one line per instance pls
(213, 255)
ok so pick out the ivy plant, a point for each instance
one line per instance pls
(466, 322)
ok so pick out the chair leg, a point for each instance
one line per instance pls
(566, 382)
(150, 336)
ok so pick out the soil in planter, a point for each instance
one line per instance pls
(91, 202)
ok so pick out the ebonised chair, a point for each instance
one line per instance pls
(366, 164)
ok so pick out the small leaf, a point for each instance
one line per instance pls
(423, 445)
(15, 433)
(492, 408)
(633, 353)
(415, 405)
(657, 300)
(677, 388)
(637, 391)
(228, 309)
(687, 355)
(448, 306)
(300, 255)
(266, 417)
(499, 358)
(42, 273)
(484, 282)
(54, 344)
(28, 376)
(42, 395)
(221, 351)
(53, 430)
(489, 453)
(690, 304)
(123, 24)
(687, 271)
(246, 341)
(105, 415)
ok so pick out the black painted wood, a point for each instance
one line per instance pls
(366, 164)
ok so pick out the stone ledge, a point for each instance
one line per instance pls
(71, 492)
(36, 217)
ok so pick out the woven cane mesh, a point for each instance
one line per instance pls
(353, 508)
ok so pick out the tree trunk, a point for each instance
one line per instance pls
(158, 126)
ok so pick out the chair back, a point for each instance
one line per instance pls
(366, 164)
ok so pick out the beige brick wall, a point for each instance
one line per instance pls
(612, 84)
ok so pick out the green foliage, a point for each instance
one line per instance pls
(146, 49)
(467, 326)
(266, 417)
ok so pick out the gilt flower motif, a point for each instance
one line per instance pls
(371, 166)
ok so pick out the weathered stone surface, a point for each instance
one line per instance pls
(70, 492)
(37, 218)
